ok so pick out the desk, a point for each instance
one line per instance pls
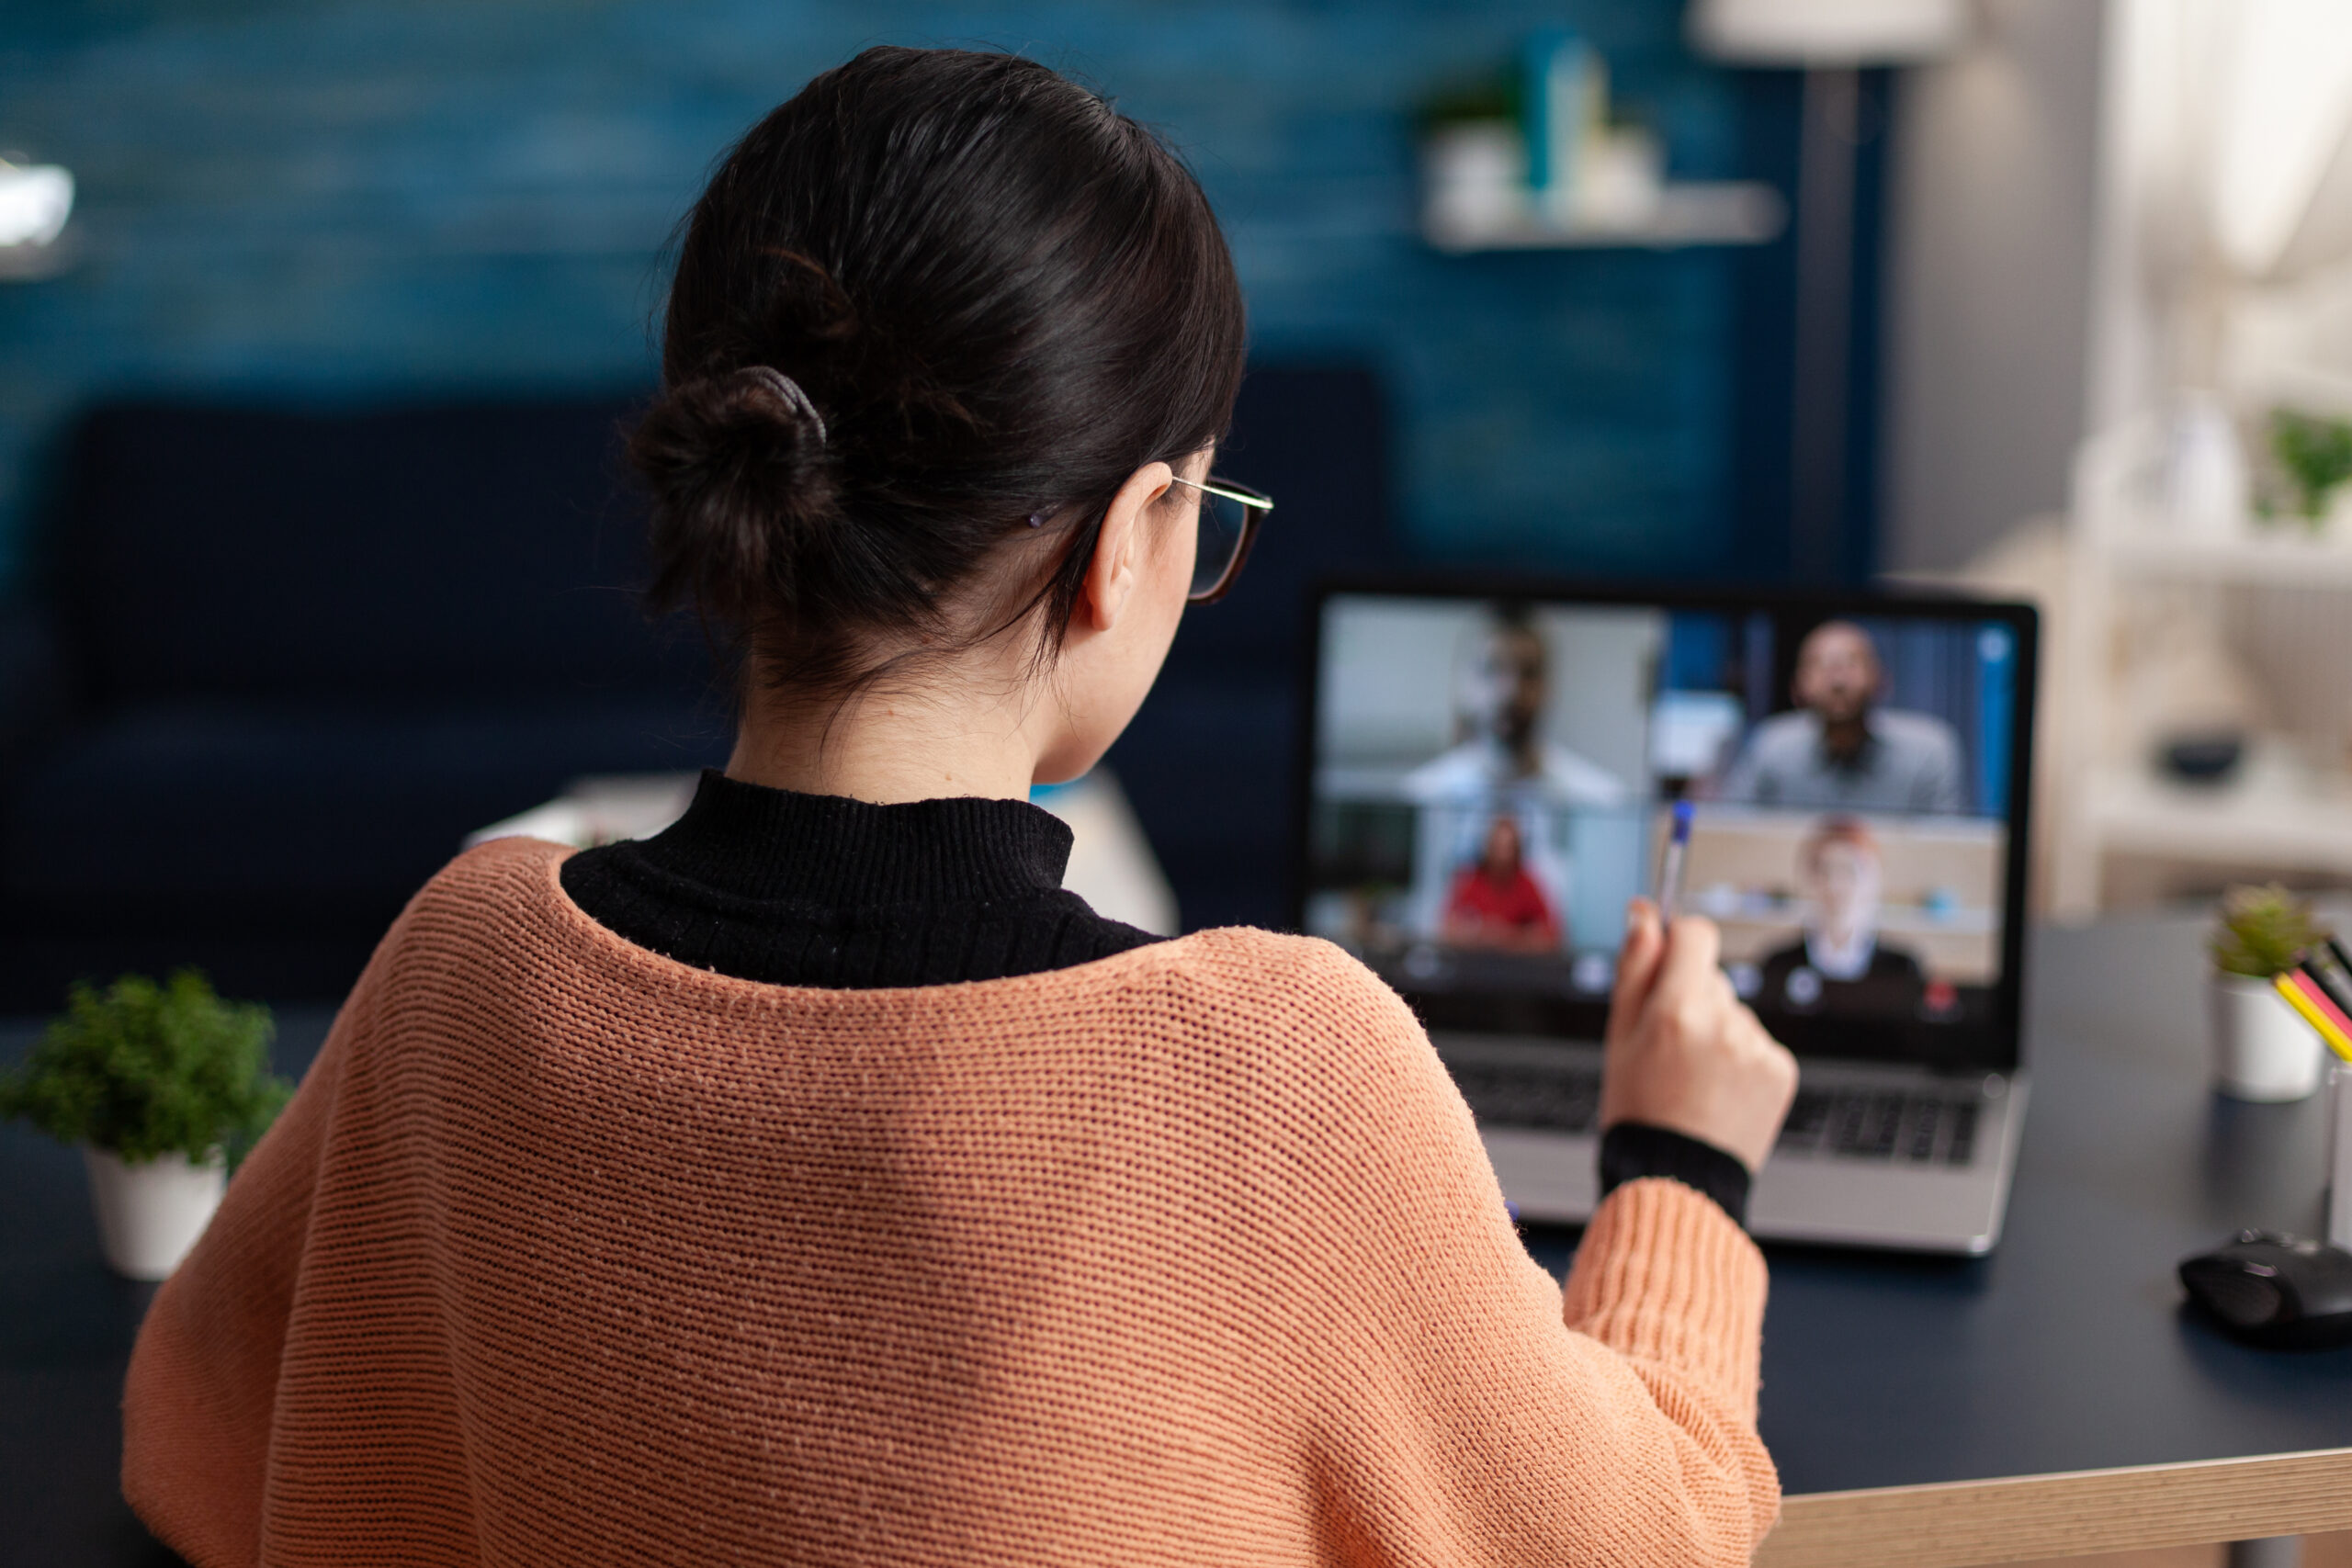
(2053, 1399)
(2046, 1400)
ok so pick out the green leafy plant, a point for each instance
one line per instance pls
(2262, 930)
(2316, 455)
(143, 1069)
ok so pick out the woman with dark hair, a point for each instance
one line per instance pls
(817, 1181)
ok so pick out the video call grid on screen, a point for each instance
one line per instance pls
(1493, 779)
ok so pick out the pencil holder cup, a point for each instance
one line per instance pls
(2261, 1049)
(2339, 1155)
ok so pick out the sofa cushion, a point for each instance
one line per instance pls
(1211, 772)
(1315, 438)
(276, 815)
(1210, 763)
(445, 552)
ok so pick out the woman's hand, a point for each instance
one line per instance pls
(1684, 1052)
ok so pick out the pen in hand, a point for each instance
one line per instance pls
(1684, 1053)
(1669, 865)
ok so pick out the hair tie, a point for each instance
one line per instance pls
(1037, 519)
(790, 390)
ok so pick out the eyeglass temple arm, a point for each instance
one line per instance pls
(1260, 503)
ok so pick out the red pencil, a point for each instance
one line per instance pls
(2316, 994)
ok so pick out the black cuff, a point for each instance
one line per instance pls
(1632, 1150)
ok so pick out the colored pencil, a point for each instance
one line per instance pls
(2322, 966)
(2303, 994)
(2343, 959)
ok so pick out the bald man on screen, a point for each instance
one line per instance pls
(1840, 750)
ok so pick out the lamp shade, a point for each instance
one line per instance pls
(1826, 32)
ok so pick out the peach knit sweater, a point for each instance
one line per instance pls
(566, 1253)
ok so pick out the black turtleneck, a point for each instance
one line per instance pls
(819, 890)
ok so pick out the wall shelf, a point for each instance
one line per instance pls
(2281, 811)
(2273, 813)
(1724, 212)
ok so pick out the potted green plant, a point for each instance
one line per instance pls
(2261, 1049)
(165, 1087)
(1473, 158)
(2315, 454)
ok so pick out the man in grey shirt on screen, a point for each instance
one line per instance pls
(1840, 750)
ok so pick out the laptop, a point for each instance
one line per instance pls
(1494, 772)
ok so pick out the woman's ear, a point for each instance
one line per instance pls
(1110, 579)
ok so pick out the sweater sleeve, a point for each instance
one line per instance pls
(1474, 1416)
(198, 1405)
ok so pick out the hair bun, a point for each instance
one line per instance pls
(741, 489)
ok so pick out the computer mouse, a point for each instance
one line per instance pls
(2271, 1289)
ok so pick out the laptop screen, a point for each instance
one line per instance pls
(1493, 778)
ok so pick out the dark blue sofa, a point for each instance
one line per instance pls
(280, 660)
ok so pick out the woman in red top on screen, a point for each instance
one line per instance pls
(1497, 904)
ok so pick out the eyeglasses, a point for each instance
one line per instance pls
(1229, 518)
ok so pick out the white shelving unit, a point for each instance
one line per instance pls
(1724, 212)
(2271, 813)
(2276, 812)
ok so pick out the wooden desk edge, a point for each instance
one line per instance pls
(1957, 1524)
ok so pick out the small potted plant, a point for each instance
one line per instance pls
(2261, 1049)
(1474, 161)
(165, 1087)
(2315, 454)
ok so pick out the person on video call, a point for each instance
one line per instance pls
(1840, 750)
(1495, 904)
(819, 1181)
(1500, 705)
(1841, 964)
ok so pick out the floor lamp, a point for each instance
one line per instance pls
(1831, 42)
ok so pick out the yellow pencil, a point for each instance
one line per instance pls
(2337, 1038)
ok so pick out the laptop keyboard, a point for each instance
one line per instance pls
(1875, 1125)
(1922, 1129)
(1555, 1100)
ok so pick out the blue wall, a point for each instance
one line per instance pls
(373, 199)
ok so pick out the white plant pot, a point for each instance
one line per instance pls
(150, 1213)
(2262, 1048)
